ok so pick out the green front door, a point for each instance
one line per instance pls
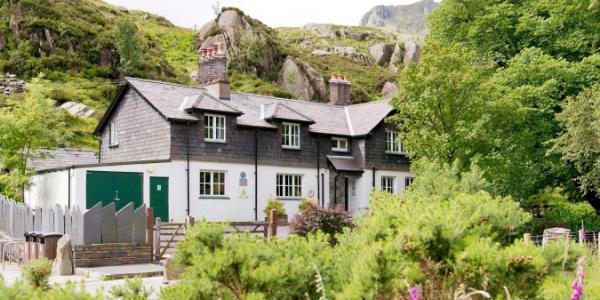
(119, 187)
(159, 197)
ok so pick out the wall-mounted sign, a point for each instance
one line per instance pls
(243, 179)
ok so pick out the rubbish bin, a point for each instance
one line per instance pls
(46, 243)
(31, 248)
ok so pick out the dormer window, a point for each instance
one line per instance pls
(290, 136)
(113, 137)
(339, 144)
(214, 128)
(393, 143)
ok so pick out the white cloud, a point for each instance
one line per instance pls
(274, 13)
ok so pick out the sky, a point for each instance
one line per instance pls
(274, 13)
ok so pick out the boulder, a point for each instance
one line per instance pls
(555, 233)
(106, 57)
(49, 40)
(344, 50)
(63, 264)
(204, 31)
(292, 78)
(382, 53)
(411, 52)
(10, 85)
(13, 24)
(77, 109)
(389, 90)
(397, 58)
(326, 30)
(320, 52)
(316, 80)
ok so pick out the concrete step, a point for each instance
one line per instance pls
(120, 272)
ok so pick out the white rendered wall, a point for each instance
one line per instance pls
(364, 184)
(48, 189)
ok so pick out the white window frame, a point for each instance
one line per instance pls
(290, 135)
(337, 147)
(393, 143)
(212, 128)
(387, 184)
(113, 134)
(288, 186)
(215, 189)
(408, 181)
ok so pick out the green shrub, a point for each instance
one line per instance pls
(276, 205)
(562, 255)
(37, 272)
(131, 290)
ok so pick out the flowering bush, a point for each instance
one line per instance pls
(313, 218)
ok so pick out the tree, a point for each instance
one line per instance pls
(129, 45)
(26, 126)
(580, 142)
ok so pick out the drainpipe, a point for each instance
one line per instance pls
(256, 174)
(335, 180)
(373, 180)
(187, 170)
(69, 188)
(323, 188)
(318, 168)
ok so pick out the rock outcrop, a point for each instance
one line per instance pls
(301, 80)
(411, 52)
(63, 264)
(389, 90)
(10, 85)
(397, 58)
(382, 53)
(77, 109)
(406, 20)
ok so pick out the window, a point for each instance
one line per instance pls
(339, 144)
(113, 138)
(387, 184)
(290, 136)
(214, 128)
(408, 181)
(212, 183)
(393, 143)
(289, 186)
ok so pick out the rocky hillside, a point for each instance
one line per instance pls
(72, 42)
(408, 21)
(297, 62)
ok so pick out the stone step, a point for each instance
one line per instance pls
(120, 272)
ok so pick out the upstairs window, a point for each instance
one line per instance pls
(290, 136)
(212, 183)
(393, 143)
(214, 128)
(339, 144)
(113, 137)
(289, 186)
(387, 184)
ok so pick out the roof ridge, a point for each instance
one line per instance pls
(163, 82)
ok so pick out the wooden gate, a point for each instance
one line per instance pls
(167, 236)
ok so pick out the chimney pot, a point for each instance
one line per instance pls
(334, 76)
(339, 90)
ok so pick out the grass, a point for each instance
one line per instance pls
(558, 286)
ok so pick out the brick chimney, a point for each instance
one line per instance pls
(212, 71)
(339, 90)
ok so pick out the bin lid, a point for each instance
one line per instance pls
(49, 234)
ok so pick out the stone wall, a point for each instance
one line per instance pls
(98, 255)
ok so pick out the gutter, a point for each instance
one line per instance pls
(373, 179)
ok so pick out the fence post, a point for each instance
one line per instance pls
(527, 238)
(157, 240)
(273, 223)
(581, 237)
(150, 230)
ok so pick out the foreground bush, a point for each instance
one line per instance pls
(37, 272)
(445, 235)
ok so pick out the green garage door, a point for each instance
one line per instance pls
(118, 187)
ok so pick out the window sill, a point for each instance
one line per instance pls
(340, 150)
(215, 141)
(396, 153)
(291, 148)
(113, 146)
(289, 198)
(208, 197)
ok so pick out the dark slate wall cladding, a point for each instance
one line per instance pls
(239, 146)
(143, 133)
(375, 151)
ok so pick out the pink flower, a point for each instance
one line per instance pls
(578, 285)
(414, 293)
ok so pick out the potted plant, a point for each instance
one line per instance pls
(279, 209)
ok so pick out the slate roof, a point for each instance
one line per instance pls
(174, 102)
(344, 163)
(63, 158)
